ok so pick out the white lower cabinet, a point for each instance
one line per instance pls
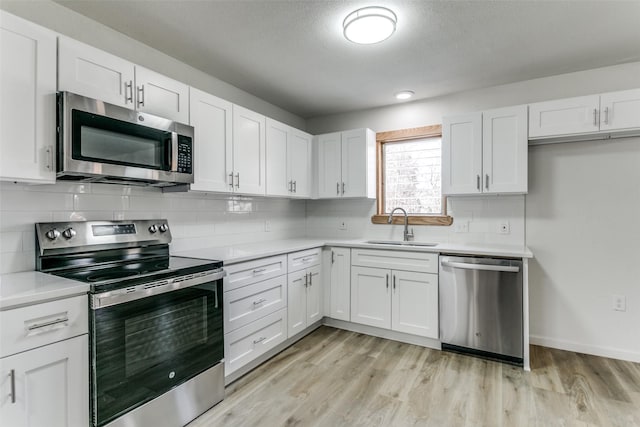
(249, 303)
(339, 287)
(253, 340)
(403, 301)
(304, 296)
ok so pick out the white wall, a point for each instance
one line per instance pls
(70, 23)
(581, 218)
(197, 220)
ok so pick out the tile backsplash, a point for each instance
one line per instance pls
(197, 220)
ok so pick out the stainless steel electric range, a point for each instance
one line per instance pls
(156, 338)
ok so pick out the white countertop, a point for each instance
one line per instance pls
(33, 287)
(249, 251)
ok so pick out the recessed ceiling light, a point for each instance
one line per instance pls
(369, 25)
(405, 94)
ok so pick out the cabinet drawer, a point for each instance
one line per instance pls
(249, 342)
(36, 325)
(423, 262)
(249, 272)
(303, 259)
(244, 305)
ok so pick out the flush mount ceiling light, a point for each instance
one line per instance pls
(405, 94)
(369, 25)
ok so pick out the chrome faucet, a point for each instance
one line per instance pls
(408, 235)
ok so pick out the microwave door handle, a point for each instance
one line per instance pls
(173, 152)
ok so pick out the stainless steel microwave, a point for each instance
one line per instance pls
(101, 142)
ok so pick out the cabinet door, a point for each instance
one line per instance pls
(299, 162)
(340, 284)
(620, 110)
(329, 165)
(278, 176)
(211, 119)
(354, 163)
(564, 116)
(27, 101)
(91, 72)
(314, 295)
(297, 302)
(415, 303)
(248, 151)
(462, 154)
(504, 148)
(159, 95)
(51, 385)
(371, 296)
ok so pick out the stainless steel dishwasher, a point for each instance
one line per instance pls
(481, 306)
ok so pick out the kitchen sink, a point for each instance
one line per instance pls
(399, 243)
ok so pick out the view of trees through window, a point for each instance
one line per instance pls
(411, 173)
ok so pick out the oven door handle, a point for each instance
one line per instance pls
(121, 296)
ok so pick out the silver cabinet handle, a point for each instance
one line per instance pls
(338, 188)
(306, 280)
(295, 186)
(231, 178)
(343, 188)
(310, 279)
(141, 96)
(606, 115)
(478, 182)
(129, 86)
(387, 281)
(307, 259)
(595, 117)
(485, 267)
(60, 320)
(260, 301)
(49, 152)
(259, 270)
(394, 281)
(259, 340)
(333, 257)
(12, 376)
(486, 181)
(290, 186)
(238, 180)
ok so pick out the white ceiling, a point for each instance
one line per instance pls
(292, 53)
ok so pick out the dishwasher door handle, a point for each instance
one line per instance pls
(486, 267)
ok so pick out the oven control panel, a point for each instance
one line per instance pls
(85, 234)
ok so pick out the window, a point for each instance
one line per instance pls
(409, 176)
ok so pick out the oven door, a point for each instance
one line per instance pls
(141, 349)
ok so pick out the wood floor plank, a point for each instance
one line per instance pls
(334, 378)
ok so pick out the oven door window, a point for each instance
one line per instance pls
(148, 346)
(105, 140)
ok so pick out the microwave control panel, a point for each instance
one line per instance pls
(185, 154)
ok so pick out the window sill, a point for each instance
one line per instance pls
(414, 219)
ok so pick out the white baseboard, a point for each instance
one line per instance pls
(613, 353)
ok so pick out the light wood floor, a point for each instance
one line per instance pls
(340, 378)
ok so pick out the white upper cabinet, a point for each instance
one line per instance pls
(288, 164)
(588, 117)
(211, 118)
(159, 95)
(620, 110)
(564, 116)
(346, 164)
(27, 101)
(248, 151)
(93, 73)
(485, 153)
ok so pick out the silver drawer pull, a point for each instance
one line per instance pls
(260, 301)
(259, 340)
(259, 270)
(61, 320)
(307, 259)
(12, 375)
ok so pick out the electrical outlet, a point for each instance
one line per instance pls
(504, 227)
(619, 302)
(461, 226)
(267, 225)
(342, 225)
